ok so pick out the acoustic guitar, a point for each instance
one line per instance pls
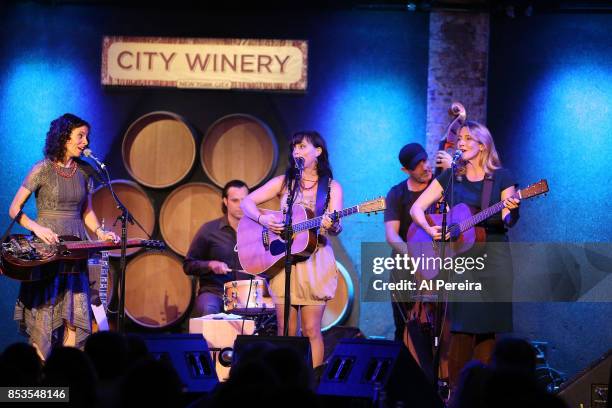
(259, 248)
(27, 258)
(462, 227)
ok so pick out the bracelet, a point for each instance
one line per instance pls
(258, 217)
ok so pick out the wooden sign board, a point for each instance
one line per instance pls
(205, 63)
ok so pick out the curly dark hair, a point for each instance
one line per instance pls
(323, 166)
(59, 133)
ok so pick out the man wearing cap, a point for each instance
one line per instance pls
(400, 198)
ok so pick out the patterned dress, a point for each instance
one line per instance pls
(43, 306)
(313, 281)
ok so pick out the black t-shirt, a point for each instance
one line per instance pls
(399, 200)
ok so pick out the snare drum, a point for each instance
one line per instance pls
(247, 297)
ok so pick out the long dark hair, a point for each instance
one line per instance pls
(323, 166)
(58, 135)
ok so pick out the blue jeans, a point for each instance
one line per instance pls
(208, 303)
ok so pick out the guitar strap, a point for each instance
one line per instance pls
(323, 196)
(10, 227)
(487, 188)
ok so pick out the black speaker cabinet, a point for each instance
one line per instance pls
(363, 369)
(589, 388)
(300, 344)
(189, 355)
(332, 336)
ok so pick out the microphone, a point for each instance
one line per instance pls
(456, 157)
(299, 163)
(88, 153)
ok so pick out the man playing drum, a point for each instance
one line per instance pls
(211, 254)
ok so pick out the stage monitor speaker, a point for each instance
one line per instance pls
(332, 336)
(189, 355)
(365, 369)
(300, 344)
(590, 387)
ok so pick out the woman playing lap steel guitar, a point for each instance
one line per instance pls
(56, 310)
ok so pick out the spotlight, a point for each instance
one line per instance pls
(225, 356)
(411, 6)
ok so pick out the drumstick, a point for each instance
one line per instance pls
(240, 270)
(235, 270)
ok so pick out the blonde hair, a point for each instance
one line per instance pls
(489, 159)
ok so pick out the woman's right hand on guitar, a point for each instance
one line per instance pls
(269, 221)
(436, 232)
(45, 234)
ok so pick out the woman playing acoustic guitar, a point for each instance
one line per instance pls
(56, 310)
(313, 281)
(474, 325)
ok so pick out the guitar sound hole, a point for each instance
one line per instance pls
(277, 247)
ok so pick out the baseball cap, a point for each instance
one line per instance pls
(411, 155)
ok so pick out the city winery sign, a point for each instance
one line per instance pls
(205, 63)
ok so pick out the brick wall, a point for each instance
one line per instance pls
(458, 59)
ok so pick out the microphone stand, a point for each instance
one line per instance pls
(440, 306)
(288, 236)
(124, 217)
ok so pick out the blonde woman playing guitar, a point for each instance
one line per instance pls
(474, 325)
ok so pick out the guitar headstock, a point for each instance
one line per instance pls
(372, 206)
(154, 244)
(536, 189)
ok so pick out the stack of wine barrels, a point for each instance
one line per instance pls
(159, 152)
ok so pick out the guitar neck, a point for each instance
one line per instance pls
(316, 222)
(91, 245)
(484, 214)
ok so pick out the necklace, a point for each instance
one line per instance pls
(66, 172)
(314, 183)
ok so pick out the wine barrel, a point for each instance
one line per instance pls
(239, 146)
(185, 210)
(136, 201)
(338, 309)
(159, 149)
(157, 291)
